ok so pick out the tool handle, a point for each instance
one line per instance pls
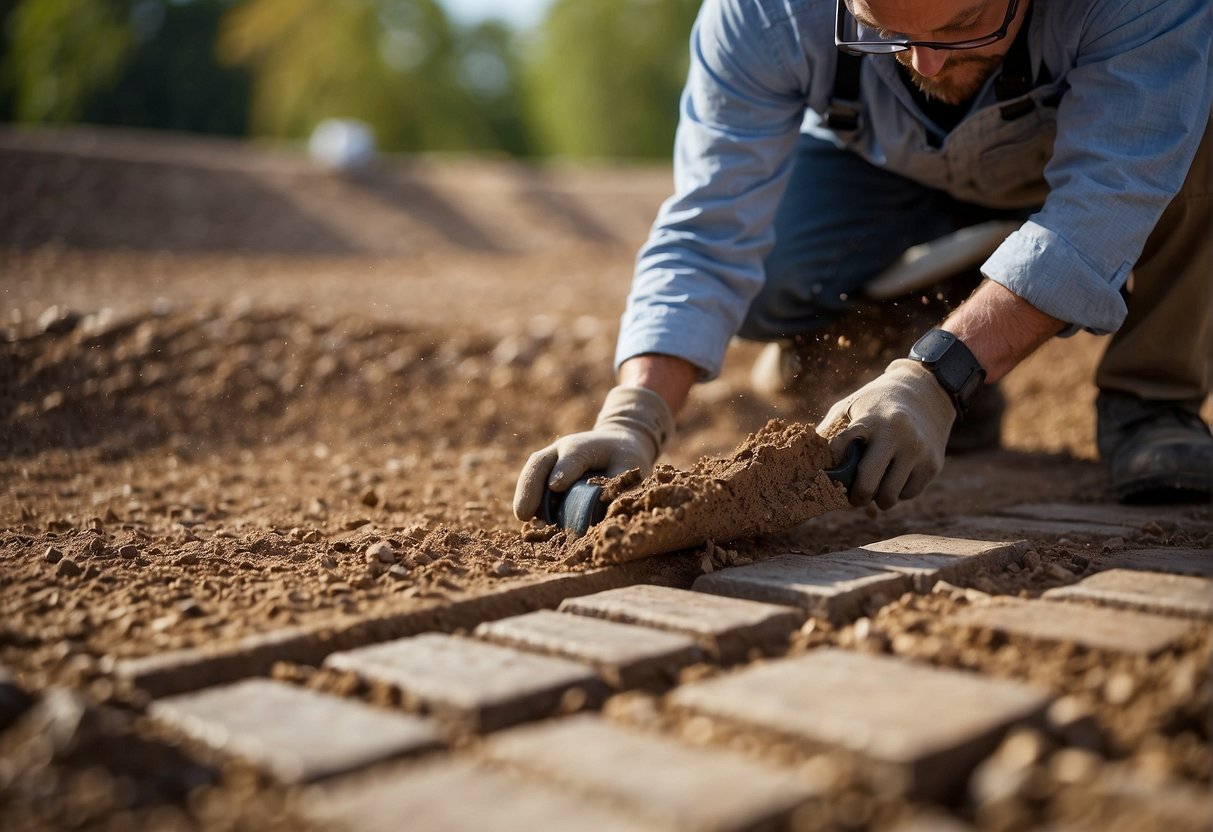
(845, 472)
(577, 508)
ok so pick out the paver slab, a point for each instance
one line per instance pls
(929, 558)
(1098, 513)
(485, 685)
(918, 728)
(688, 787)
(824, 588)
(1027, 527)
(727, 628)
(1197, 562)
(624, 655)
(1182, 595)
(1120, 631)
(298, 735)
(460, 795)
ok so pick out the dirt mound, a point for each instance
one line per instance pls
(772, 482)
(245, 376)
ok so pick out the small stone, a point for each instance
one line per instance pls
(129, 551)
(399, 572)
(369, 498)
(52, 555)
(68, 568)
(706, 565)
(312, 537)
(502, 568)
(190, 608)
(383, 551)
(328, 562)
(1058, 572)
(1119, 689)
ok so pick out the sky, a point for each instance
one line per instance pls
(520, 13)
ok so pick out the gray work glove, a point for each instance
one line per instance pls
(905, 417)
(631, 428)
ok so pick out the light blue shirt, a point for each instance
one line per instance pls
(1128, 99)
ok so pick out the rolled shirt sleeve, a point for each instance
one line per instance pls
(1127, 131)
(740, 116)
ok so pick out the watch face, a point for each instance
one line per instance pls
(932, 347)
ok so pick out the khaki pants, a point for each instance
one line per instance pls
(1164, 349)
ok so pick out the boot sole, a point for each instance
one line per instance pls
(1165, 488)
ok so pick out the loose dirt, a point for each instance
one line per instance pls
(240, 394)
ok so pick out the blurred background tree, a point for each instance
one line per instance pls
(396, 64)
(597, 78)
(605, 76)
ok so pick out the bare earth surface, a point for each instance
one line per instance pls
(241, 397)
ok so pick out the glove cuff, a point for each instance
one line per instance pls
(638, 409)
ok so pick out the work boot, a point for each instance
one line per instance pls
(981, 427)
(1156, 451)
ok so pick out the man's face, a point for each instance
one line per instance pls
(950, 76)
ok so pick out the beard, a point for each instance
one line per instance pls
(958, 81)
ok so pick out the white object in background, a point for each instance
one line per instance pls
(343, 143)
(929, 263)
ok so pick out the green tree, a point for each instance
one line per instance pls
(60, 52)
(143, 63)
(603, 76)
(172, 78)
(396, 64)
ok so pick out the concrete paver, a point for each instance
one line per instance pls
(1028, 527)
(930, 558)
(1120, 631)
(822, 587)
(455, 795)
(1182, 595)
(1098, 513)
(919, 729)
(726, 628)
(1178, 561)
(191, 668)
(298, 735)
(624, 655)
(687, 787)
(484, 685)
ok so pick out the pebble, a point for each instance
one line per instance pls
(383, 551)
(1058, 572)
(129, 551)
(502, 568)
(312, 537)
(52, 555)
(190, 608)
(68, 568)
(399, 572)
(369, 498)
(1119, 689)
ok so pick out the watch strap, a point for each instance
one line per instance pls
(953, 365)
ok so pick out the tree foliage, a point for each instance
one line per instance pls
(396, 64)
(597, 78)
(604, 76)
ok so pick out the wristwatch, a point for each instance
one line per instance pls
(955, 368)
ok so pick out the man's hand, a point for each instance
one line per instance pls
(631, 428)
(905, 417)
